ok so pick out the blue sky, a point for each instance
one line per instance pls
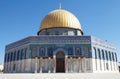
(21, 18)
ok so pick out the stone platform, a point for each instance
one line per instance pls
(62, 76)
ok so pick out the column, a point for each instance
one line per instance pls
(40, 64)
(49, 64)
(71, 64)
(79, 64)
(66, 64)
(54, 61)
(36, 64)
(83, 66)
(84, 60)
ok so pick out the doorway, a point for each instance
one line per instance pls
(60, 62)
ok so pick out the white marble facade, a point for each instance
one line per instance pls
(48, 65)
(72, 65)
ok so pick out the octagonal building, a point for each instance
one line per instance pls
(60, 47)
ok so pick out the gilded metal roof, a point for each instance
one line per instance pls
(60, 18)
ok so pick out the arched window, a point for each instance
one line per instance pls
(113, 56)
(109, 55)
(50, 52)
(25, 53)
(14, 56)
(86, 51)
(106, 55)
(116, 57)
(22, 54)
(5, 60)
(11, 56)
(78, 51)
(56, 32)
(47, 33)
(42, 51)
(7, 57)
(70, 51)
(95, 53)
(18, 54)
(103, 56)
(34, 51)
(75, 32)
(99, 54)
(65, 33)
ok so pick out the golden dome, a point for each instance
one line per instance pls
(60, 19)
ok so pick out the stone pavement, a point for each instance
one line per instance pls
(61, 76)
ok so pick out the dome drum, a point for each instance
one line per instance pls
(60, 31)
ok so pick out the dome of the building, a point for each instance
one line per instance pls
(60, 19)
